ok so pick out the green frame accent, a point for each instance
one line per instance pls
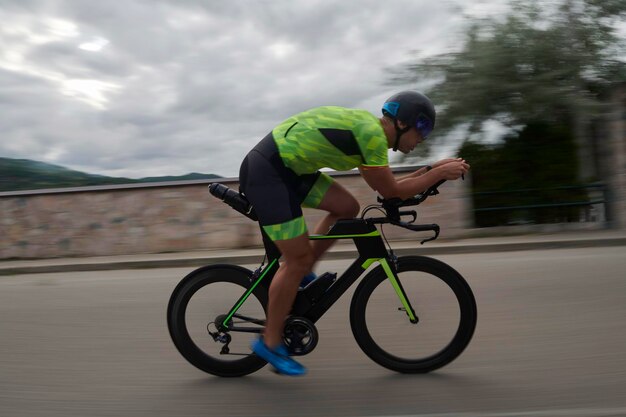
(247, 294)
(319, 237)
(394, 282)
(369, 263)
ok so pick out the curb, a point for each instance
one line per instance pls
(176, 262)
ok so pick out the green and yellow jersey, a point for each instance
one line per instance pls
(331, 137)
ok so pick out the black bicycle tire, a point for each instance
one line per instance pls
(461, 339)
(176, 319)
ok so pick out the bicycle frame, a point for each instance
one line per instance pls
(371, 249)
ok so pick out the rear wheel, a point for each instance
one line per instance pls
(444, 305)
(198, 306)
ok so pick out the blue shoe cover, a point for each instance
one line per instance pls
(278, 358)
(307, 279)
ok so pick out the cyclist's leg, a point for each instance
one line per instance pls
(270, 187)
(328, 195)
(297, 261)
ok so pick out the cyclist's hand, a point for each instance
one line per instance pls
(454, 170)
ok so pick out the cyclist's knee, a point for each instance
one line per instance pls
(352, 208)
(301, 263)
(339, 202)
(298, 255)
(347, 208)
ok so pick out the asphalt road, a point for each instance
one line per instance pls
(550, 341)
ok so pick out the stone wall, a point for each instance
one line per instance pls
(155, 218)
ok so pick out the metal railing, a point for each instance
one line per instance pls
(553, 201)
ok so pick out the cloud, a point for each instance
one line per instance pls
(169, 87)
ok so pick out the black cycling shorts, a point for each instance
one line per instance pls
(277, 192)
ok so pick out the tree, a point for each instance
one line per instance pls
(543, 71)
(540, 64)
(513, 166)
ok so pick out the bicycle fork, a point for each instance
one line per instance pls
(397, 286)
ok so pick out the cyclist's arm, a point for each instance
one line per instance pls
(425, 169)
(414, 174)
(381, 179)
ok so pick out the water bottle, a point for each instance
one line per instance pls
(233, 199)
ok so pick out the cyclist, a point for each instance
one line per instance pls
(281, 174)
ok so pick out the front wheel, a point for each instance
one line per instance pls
(201, 303)
(443, 303)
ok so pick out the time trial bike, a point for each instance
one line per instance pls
(410, 314)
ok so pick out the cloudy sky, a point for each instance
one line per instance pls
(166, 87)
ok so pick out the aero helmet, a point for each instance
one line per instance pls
(413, 109)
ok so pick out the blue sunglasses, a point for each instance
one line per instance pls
(424, 125)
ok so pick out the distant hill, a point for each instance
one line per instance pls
(24, 174)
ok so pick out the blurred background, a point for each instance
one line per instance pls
(117, 115)
(157, 102)
(549, 77)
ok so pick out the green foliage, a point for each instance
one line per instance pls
(539, 64)
(541, 158)
(544, 70)
(23, 174)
